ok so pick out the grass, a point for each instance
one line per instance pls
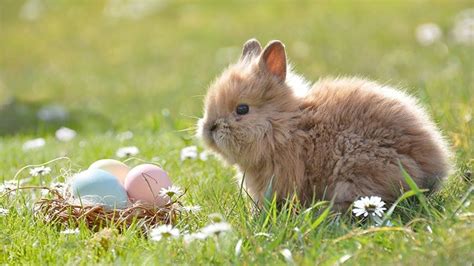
(148, 75)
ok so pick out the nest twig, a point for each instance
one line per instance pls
(60, 210)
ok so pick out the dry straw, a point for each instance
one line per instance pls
(61, 208)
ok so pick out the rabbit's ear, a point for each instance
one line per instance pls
(273, 59)
(251, 48)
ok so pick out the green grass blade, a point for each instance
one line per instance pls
(403, 197)
(320, 219)
(419, 193)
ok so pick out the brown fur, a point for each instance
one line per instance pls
(343, 139)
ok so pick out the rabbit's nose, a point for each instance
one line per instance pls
(213, 127)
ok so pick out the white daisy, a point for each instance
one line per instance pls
(286, 253)
(60, 187)
(216, 228)
(428, 228)
(4, 212)
(40, 171)
(31, 10)
(70, 231)
(192, 208)
(369, 205)
(34, 144)
(188, 238)
(164, 231)
(266, 235)
(463, 30)
(125, 135)
(189, 152)
(9, 185)
(428, 33)
(467, 117)
(216, 217)
(65, 134)
(238, 248)
(133, 10)
(203, 156)
(171, 191)
(127, 151)
(44, 192)
(343, 259)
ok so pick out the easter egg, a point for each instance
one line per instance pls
(144, 182)
(99, 187)
(116, 168)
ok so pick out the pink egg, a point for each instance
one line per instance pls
(144, 182)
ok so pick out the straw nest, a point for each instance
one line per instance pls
(60, 208)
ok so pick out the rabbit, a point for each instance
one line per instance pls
(339, 139)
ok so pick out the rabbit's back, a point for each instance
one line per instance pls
(359, 131)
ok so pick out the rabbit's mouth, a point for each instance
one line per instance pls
(220, 135)
(213, 134)
(219, 138)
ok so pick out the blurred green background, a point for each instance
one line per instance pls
(97, 66)
(118, 64)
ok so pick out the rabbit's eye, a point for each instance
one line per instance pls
(242, 109)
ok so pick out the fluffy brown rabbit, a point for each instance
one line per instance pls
(342, 139)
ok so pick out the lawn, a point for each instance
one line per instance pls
(103, 68)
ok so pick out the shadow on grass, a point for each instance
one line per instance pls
(23, 117)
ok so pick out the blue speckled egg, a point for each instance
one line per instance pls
(99, 187)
